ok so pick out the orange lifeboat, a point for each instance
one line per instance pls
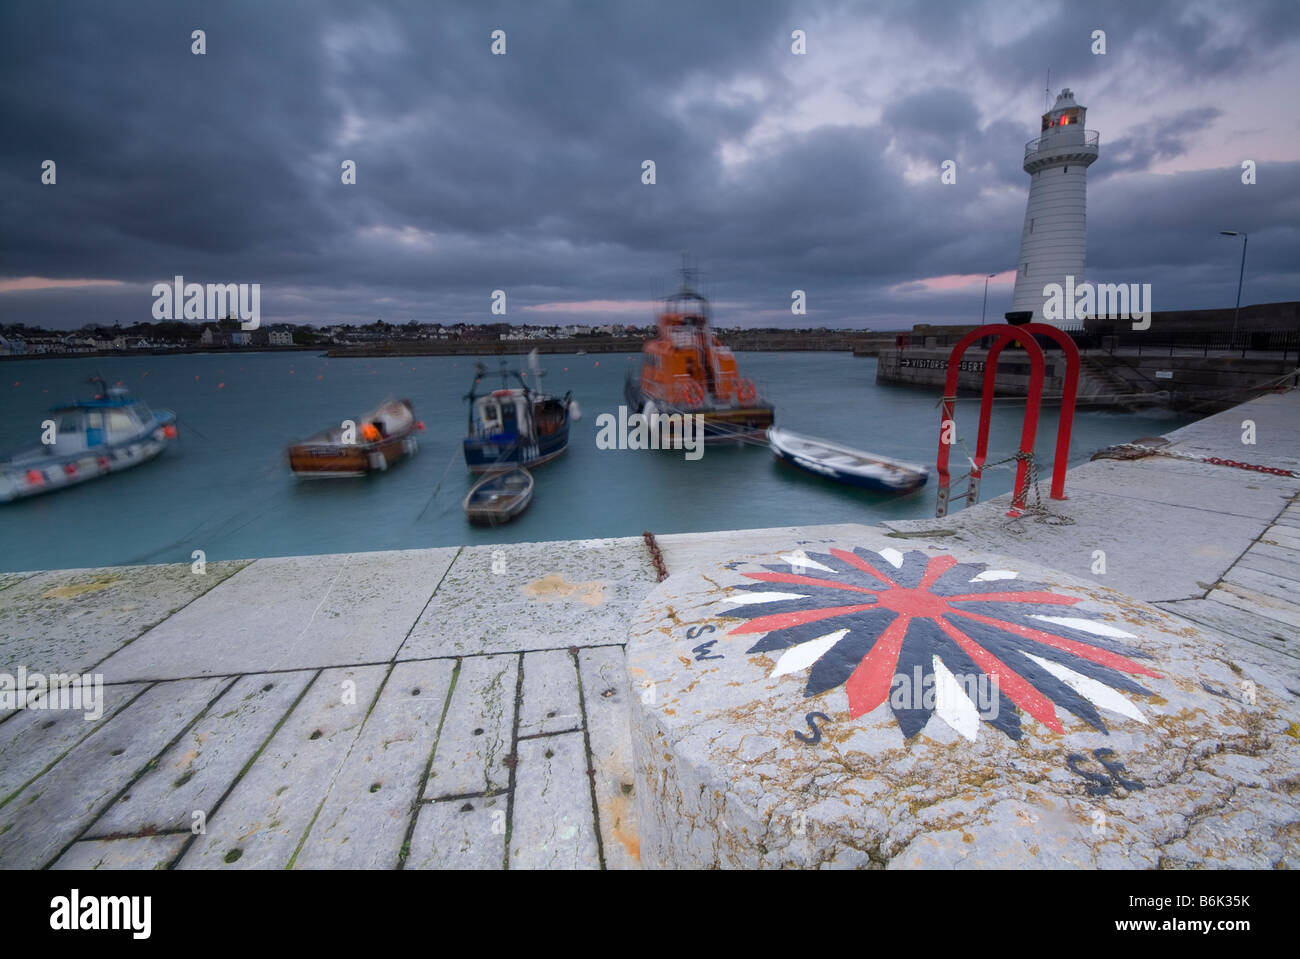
(685, 369)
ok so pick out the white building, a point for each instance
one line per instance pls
(280, 338)
(1053, 243)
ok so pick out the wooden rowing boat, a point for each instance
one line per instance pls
(844, 464)
(499, 497)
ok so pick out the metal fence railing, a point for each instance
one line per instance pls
(1273, 344)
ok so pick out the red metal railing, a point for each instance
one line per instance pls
(1005, 334)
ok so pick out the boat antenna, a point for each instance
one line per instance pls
(1047, 92)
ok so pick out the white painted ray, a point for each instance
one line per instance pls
(952, 705)
(893, 557)
(1099, 694)
(805, 654)
(1087, 625)
(746, 598)
(803, 562)
(992, 574)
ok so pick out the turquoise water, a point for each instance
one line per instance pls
(226, 488)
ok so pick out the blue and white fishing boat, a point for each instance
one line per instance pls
(87, 439)
(516, 425)
(846, 465)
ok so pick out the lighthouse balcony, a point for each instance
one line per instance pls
(1061, 145)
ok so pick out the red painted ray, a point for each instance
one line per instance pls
(1083, 650)
(936, 568)
(1017, 688)
(808, 581)
(766, 624)
(855, 560)
(1054, 599)
(869, 685)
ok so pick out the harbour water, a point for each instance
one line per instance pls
(226, 489)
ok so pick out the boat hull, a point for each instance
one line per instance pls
(499, 497)
(31, 477)
(901, 478)
(358, 459)
(721, 424)
(326, 455)
(488, 454)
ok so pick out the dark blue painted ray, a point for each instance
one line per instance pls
(908, 575)
(794, 635)
(907, 699)
(998, 643)
(953, 585)
(958, 580)
(1098, 671)
(755, 610)
(1022, 615)
(837, 665)
(1004, 714)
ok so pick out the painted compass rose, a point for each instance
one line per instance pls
(874, 621)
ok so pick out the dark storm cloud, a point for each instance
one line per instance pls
(1162, 139)
(522, 172)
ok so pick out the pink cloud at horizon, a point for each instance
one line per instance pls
(46, 283)
(594, 306)
(956, 281)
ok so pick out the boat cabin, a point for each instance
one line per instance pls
(104, 421)
(686, 364)
(500, 416)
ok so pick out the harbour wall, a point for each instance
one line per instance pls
(1208, 383)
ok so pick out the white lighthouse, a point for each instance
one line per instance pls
(1053, 243)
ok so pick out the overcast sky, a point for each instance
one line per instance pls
(523, 172)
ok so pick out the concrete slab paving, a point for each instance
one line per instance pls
(193, 775)
(33, 739)
(131, 852)
(459, 834)
(1254, 559)
(551, 824)
(681, 550)
(605, 695)
(52, 811)
(364, 820)
(1159, 552)
(1284, 536)
(261, 824)
(71, 620)
(550, 700)
(1261, 604)
(1175, 482)
(528, 596)
(1238, 623)
(1277, 432)
(292, 613)
(473, 752)
(9, 579)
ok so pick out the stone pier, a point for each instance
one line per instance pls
(551, 705)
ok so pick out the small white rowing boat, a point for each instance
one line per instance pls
(499, 497)
(844, 464)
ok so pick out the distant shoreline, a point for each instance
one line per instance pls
(859, 343)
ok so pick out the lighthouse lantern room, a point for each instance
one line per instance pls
(1053, 242)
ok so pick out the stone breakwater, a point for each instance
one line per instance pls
(467, 707)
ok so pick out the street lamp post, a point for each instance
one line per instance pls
(986, 297)
(1245, 239)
